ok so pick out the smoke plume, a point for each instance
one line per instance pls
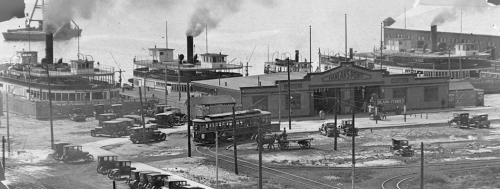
(209, 13)
(61, 12)
(11, 8)
(447, 15)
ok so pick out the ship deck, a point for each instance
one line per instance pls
(185, 67)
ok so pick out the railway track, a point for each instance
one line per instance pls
(396, 182)
(299, 180)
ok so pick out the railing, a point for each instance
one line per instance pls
(19, 80)
(186, 78)
(175, 66)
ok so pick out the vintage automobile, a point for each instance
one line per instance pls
(460, 119)
(122, 167)
(174, 183)
(134, 179)
(329, 130)
(98, 109)
(59, 150)
(161, 108)
(401, 147)
(128, 87)
(117, 109)
(170, 118)
(143, 179)
(136, 135)
(480, 121)
(77, 115)
(112, 128)
(347, 128)
(138, 119)
(106, 117)
(156, 180)
(104, 163)
(73, 153)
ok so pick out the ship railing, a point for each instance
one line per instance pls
(175, 66)
(56, 84)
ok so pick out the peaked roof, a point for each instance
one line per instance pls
(213, 100)
(478, 17)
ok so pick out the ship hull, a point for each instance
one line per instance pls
(39, 35)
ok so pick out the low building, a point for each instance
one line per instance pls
(463, 93)
(351, 86)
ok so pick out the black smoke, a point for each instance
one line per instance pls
(11, 8)
(494, 2)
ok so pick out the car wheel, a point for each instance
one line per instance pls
(117, 176)
(99, 169)
(163, 136)
(89, 158)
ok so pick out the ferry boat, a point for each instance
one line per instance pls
(30, 33)
(73, 83)
(281, 65)
(161, 67)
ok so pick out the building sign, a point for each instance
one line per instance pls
(391, 101)
(347, 74)
(294, 86)
(400, 80)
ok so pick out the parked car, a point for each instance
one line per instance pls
(136, 135)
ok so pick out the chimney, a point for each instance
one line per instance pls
(49, 48)
(296, 55)
(351, 54)
(434, 38)
(190, 49)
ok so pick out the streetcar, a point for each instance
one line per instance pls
(247, 124)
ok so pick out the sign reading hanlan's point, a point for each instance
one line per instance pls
(347, 75)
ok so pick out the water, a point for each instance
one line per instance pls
(126, 30)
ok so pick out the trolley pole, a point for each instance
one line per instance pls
(142, 114)
(404, 109)
(234, 143)
(422, 165)
(335, 129)
(260, 156)
(353, 149)
(189, 118)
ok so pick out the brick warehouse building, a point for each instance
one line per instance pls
(354, 86)
(477, 20)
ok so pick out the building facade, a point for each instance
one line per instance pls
(351, 87)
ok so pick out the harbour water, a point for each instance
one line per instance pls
(128, 28)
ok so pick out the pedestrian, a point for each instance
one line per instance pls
(383, 115)
(443, 102)
(321, 114)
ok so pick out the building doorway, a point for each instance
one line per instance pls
(324, 99)
(362, 96)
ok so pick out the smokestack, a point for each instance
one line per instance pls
(296, 55)
(434, 38)
(351, 54)
(190, 49)
(49, 48)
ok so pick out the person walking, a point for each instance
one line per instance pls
(384, 116)
(443, 102)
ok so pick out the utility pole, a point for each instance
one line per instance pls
(404, 109)
(189, 118)
(422, 165)
(260, 155)
(345, 37)
(179, 78)
(310, 49)
(8, 124)
(166, 84)
(289, 97)
(234, 142)
(353, 149)
(50, 106)
(279, 104)
(143, 121)
(335, 130)
(381, 43)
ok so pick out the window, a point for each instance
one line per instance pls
(294, 101)
(399, 93)
(430, 94)
(260, 102)
(161, 53)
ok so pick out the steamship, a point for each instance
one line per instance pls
(162, 69)
(67, 31)
(281, 65)
(77, 82)
(458, 60)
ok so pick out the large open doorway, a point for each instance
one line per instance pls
(362, 96)
(325, 100)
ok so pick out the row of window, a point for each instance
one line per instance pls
(442, 39)
(35, 94)
(261, 102)
(227, 124)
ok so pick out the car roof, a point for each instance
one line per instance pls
(399, 138)
(72, 146)
(159, 174)
(117, 105)
(113, 121)
(175, 180)
(165, 113)
(108, 156)
(108, 114)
